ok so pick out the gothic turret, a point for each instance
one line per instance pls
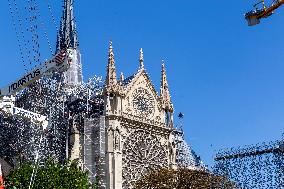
(165, 97)
(68, 38)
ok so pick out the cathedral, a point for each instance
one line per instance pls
(135, 132)
(138, 122)
(125, 127)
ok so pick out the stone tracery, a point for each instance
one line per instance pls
(142, 151)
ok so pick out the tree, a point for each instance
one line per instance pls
(182, 178)
(51, 175)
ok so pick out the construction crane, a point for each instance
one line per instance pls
(253, 17)
(59, 63)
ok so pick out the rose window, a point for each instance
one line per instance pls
(142, 151)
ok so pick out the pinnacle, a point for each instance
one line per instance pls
(163, 64)
(110, 45)
(121, 76)
(141, 59)
(111, 54)
(111, 71)
(164, 90)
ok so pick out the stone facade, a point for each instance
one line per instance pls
(135, 132)
(139, 126)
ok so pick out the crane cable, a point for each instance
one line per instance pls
(21, 27)
(29, 36)
(33, 18)
(44, 28)
(52, 15)
(13, 15)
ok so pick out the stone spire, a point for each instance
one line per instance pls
(141, 59)
(164, 91)
(111, 80)
(68, 38)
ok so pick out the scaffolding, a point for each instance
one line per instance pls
(186, 157)
(257, 166)
(94, 149)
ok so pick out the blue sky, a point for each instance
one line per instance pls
(227, 78)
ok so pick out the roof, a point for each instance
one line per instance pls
(186, 156)
(128, 80)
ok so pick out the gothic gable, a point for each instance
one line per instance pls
(140, 94)
(141, 79)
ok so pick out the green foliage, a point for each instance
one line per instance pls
(51, 175)
(182, 178)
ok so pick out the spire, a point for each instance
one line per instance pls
(67, 36)
(164, 91)
(111, 71)
(141, 59)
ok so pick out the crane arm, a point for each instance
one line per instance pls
(253, 17)
(268, 11)
(60, 63)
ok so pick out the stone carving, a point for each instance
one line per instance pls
(172, 149)
(116, 140)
